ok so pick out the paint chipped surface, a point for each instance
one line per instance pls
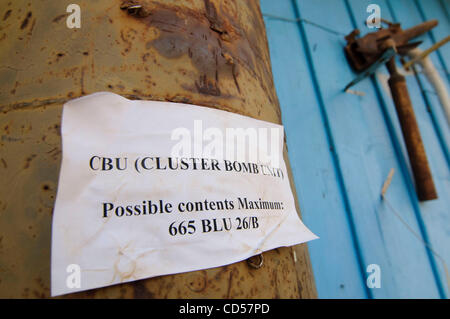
(202, 51)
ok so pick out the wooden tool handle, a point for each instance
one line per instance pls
(411, 134)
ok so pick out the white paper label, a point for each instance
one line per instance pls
(151, 188)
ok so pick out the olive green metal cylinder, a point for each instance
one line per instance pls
(211, 53)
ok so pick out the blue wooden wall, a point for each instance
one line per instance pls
(342, 147)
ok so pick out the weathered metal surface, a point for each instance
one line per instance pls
(211, 53)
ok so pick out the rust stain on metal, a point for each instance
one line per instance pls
(25, 21)
(197, 281)
(211, 42)
(5, 166)
(28, 161)
(7, 14)
(216, 23)
(141, 291)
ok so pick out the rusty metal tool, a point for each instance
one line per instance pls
(365, 54)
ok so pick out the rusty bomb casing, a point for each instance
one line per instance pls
(209, 53)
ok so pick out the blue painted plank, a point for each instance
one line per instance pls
(365, 154)
(333, 258)
(434, 214)
(437, 159)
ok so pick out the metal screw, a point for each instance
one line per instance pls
(254, 264)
